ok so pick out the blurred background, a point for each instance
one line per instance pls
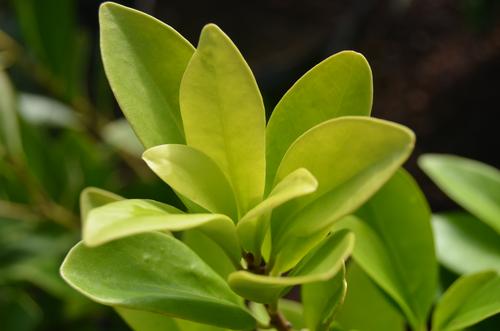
(436, 69)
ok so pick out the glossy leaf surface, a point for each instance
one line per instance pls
(469, 300)
(395, 246)
(464, 244)
(144, 60)
(320, 265)
(223, 114)
(351, 157)
(157, 273)
(341, 85)
(194, 175)
(472, 184)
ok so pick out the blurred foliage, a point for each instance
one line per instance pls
(54, 141)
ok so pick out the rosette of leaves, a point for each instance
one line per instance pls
(260, 200)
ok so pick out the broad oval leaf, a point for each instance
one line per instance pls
(320, 265)
(351, 157)
(395, 246)
(341, 85)
(144, 60)
(464, 244)
(156, 273)
(321, 301)
(253, 226)
(128, 217)
(472, 184)
(223, 114)
(468, 301)
(194, 175)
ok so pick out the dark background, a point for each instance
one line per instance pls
(435, 63)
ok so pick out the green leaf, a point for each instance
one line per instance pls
(120, 135)
(468, 301)
(253, 226)
(10, 136)
(395, 246)
(93, 197)
(365, 307)
(320, 265)
(341, 85)
(144, 60)
(140, 320)
(321, 301)
(209, 251)
(464, 244)
(156, 273)
(472, 184)
(223, 114)
(351, 157)
(128, 217)
(194, 175)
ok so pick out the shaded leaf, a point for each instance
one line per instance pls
(144, 60)
(464, 244)
(321, 301)
(341, 85)
(472, 184)
(10, 136)
(395, 246)
(365, 307)
(469, 300)
(351, 157)
(223, 114)
(157, 273)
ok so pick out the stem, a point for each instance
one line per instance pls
(277, 320)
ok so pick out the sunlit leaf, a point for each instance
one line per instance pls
(341, 85)
(157, 273)
(120, 135)
(253, 226)
(320, 265)
(194, 175)
(223, 114)
(144, 60)
(351, 157)
(128, 217)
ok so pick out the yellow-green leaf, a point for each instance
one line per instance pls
(144, 60)
(223, 114)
